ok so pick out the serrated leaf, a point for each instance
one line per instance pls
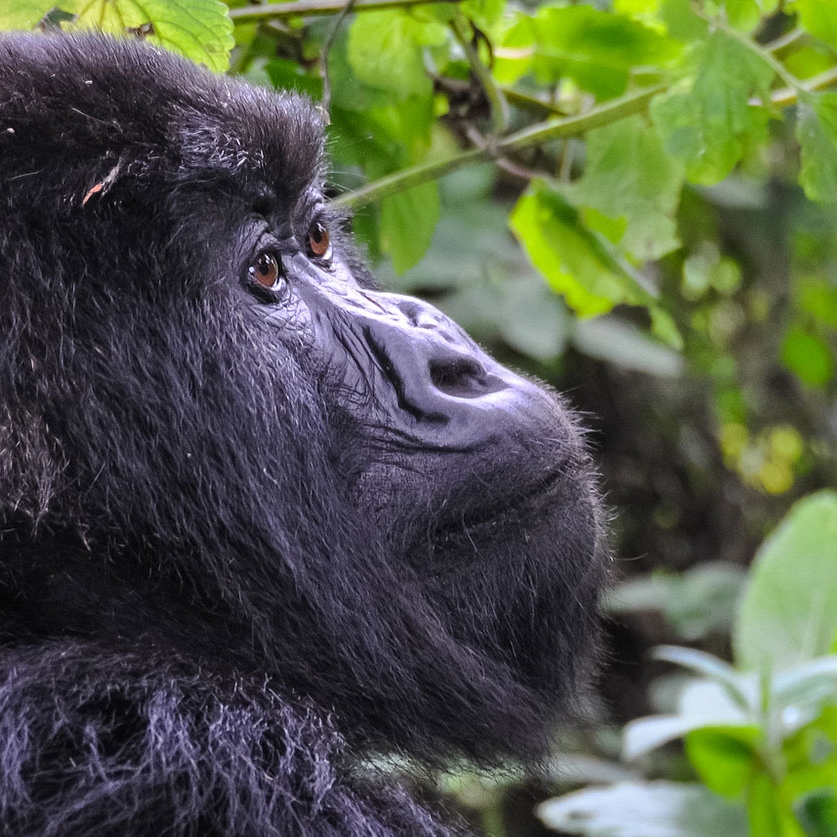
(407, 221)
(788, 613)
(644, 809)
(816, 129)
(595, 48)
(198, 29)
(708, 123)
(628, 174)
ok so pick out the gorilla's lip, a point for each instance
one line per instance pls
(525, 503)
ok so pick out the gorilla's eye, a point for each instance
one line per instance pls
(319, 241)
(267, 270)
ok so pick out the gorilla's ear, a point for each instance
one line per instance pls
(29, 464)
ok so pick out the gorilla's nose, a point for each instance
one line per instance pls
(429, 358)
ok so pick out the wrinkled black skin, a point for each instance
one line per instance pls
(250, 539)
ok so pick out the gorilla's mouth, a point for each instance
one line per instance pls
(519, 507)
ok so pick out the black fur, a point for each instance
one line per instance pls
(250, 539)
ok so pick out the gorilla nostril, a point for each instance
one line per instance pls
(462, 378)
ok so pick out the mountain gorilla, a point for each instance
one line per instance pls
(260, 523)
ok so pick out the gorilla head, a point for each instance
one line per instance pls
(258, 520)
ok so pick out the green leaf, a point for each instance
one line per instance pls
(386, 51)
(764, 808)
(567, 254)
(576, 263)
(818, 18)
(808, 356)
(644, 809)
(199, 29)
(747, 14)
(23, 14)
(817, 812)
(407, 222)
(597, 49)
(628, 174)
(788, 613)
(681, 20)
(724, 758)
(816, 129)
(709, 123)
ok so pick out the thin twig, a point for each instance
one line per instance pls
(325, 103)
(316, 8)
(553, 129)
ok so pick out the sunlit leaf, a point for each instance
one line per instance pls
(199, 29)
(818, 18)
(596, 49)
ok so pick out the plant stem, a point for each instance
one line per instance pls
(552, 129)
(314, 8)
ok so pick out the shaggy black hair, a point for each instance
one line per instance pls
(259, 522)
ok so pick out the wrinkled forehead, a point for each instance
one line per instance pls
(85, 102)
(246, 132)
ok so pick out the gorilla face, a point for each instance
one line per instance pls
(220, 442)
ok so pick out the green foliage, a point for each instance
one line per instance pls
(199, 29)
(761, 736)
(783, 619)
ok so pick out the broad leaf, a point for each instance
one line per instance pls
(644, 809)
(816, 129)
(788, 613)
(199, 29)
(596, 49)
(629, 175)
(709, 123)
(407, 222)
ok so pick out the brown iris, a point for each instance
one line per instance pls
(319, 241)
(267, 270)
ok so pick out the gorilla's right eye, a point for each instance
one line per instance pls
(267, 270)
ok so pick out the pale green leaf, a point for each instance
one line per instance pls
(628, 174)
(595, 48)
(708, 123)
(819, 18)
(644, 809)
(816, 130)
(788, 613)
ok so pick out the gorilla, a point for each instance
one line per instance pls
(263, 527)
